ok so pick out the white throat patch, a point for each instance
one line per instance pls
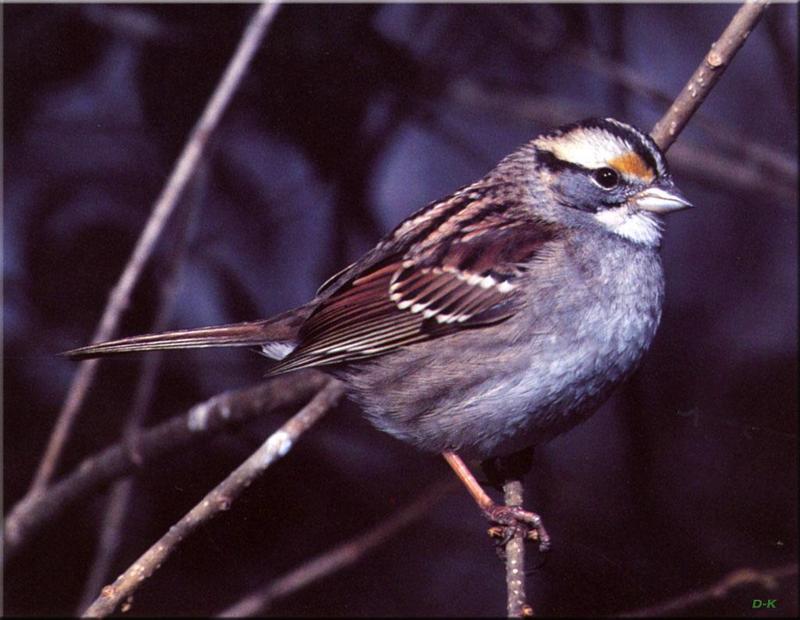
(637, 226)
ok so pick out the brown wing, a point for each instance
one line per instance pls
(453, 277)
(359, 321)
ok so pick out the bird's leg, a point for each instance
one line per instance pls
(506, 519)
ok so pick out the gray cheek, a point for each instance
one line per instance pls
(578, 192)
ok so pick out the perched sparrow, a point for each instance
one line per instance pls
(498, 317)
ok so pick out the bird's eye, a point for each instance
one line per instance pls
(607, 178)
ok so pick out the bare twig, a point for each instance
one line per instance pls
(727, 137)
(767, 579)
(165, 204)
(339, 557)
(218, 500)
(203, 420)
(517, 606)
(118, 499)
(705, 77)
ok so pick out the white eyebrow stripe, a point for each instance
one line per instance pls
(595, 147)
(588, 148)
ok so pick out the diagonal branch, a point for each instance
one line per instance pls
(219, 499)
(705, 77)
(165, 205)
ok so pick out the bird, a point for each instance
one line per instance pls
(493, 319)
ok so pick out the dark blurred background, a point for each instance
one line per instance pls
(351, 117)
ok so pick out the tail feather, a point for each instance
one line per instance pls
(281, 329)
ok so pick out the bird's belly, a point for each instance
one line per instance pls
(484, 398)
(561, 385)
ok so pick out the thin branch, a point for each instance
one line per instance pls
(219, 499)
(203, 420)
(339, 557)
(705, 77)
(164, 206)
(725, 135)
(768, 579)
(118, 500)
(517, 605)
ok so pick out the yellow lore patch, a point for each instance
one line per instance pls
(631, 164)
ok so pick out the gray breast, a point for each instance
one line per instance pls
(500, 388)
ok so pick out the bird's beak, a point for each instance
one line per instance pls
(660, 200)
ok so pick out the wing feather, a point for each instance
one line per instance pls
(450, 278)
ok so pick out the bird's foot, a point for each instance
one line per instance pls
(508, 521)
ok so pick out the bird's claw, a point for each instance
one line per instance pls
(508, 521)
